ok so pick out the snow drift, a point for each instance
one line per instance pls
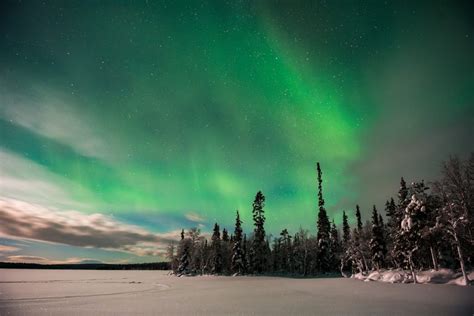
(441, 276)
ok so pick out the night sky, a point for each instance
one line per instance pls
(123, 122)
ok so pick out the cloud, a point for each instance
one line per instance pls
(193, 217)
(51, 114)
(22, 178)
(27, 259)
(4, 248)
(25, 220)
(43, 260)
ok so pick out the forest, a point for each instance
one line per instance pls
(425, 226)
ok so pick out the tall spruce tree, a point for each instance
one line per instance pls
(359, 219)
(346, 230)
(226, 250)
(347, 247)
(399, 242)
(237, 253)
(336, 247)
(323, 237)
(375, 244)
(245, 253)
(259, 246)
(286, 258)
(216, 265)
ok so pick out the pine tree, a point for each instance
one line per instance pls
(383, 237)
(375, 244)
(286, 258)
(359, 220)
(196, 239)
(358, 250)
(411, 226)
(336, 247)
(237, 253)
(259, 246)
(399, 243)
(347, 251)
(184, 255)
(226, 250)
(324, 227)
(225, 235)
(346, 230)
(245, 254)
(216, 265)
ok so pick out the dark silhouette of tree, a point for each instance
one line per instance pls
(376, 242)
(216, 266)
(237, 253)
(259, 246)
(323, 254)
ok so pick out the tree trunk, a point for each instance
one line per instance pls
(342, 269)
(461, 258)
(366, 266)
(434, 258)
(413, 274)
(305, 261)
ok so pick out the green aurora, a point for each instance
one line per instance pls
(171, 114)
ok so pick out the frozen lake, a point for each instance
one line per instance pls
(74, 292)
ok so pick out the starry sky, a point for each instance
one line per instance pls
(122, 122)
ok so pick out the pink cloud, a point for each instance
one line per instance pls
(4, 248)
(25, 220)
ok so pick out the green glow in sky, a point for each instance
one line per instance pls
(157, 112)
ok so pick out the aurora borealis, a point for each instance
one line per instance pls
(162, 115)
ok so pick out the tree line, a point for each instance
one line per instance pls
(423, 228)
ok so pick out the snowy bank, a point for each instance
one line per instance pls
(441, 276)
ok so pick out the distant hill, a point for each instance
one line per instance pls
(88, 266)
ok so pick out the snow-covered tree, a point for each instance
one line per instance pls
(412, 225)
(171, 256)
(237, 253)
(397, 215)
(259, 259)
(456, 189)
(184, 255)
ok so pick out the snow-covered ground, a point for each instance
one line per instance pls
(441, 276)
(63, 292)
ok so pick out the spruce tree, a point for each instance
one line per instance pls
(375, 244)
(323, 237)
(336, 247)
(359, 219)
(216, 265)
(346, 230)
(286, 258)
(245, 254)
(384, 237)
(237, 253)
(399, 242)
(184, 255)
(226, 250)
(259, 245)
